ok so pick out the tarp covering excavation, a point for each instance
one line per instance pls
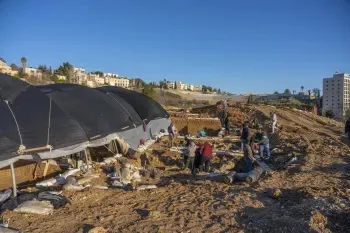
(103, 117)
(147, 108)
(151, 112)
(30, 120)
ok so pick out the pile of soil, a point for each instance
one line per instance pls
(193, 126)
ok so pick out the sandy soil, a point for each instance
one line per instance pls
(315, 192)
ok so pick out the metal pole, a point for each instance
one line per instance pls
(86, 158)
(116, 147)
(14, 185)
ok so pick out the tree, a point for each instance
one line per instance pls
(276, 93)
(24, 63)
(309, 91)
(149, 91)
(175, 86)
(204, 89)
(2, 59)
(44, 69)
(316, 92)
(287, 92)
(14, 67)
(302, 88)
(329, 113)
(219, 91)
(66, 69)
(99, 73)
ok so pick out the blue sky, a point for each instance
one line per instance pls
(239, 46)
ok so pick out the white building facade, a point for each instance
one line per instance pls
(336, 91)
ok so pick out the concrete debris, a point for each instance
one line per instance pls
(70, 187)
(291, 161)
(58, 180)
(35, 207)
(276, 151)
(100, 187)
(144, 187)
(254, 174)
(230, 177)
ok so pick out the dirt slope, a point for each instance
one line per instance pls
(315, 192)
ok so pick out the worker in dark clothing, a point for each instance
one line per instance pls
(247, 150)
(263, 141)
(206, 156)
(347, 129)
(227, 126)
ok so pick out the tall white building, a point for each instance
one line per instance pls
(336, 94)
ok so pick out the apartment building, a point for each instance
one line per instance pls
(33, 72)
(336, 91)
(110, 75)
(79, 75)
(6, 69)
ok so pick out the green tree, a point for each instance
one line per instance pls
(66, 69)
(149, 91)
(99, 73)
(219, 91)
(316, 92)
(24, 63)
(14, 67)
(309, 91)
(276, 93)
(302, 88)
(44, 69)
(329, 113)
(287, 92)
(2, 59)
(175, 86)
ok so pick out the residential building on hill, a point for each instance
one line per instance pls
(80, 76)
(110, 75)
(6, 69)
(34, 72)
(336, 94)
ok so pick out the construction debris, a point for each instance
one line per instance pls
(144, 187)
(35, 207)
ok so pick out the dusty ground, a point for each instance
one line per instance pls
(315, 192)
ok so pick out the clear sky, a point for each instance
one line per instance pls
(237, 45)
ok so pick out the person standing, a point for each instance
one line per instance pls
(227, 126)
(347, 129)
(171, 132)
(247, 150)
(206, 156)
(189, 157)
(273, 118)
(263, 141)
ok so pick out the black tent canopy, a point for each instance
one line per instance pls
(103, 118)
(32, 124)
(147, 108)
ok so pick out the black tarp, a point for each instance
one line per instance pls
(147, 108)
(40, 121)
(97, 113)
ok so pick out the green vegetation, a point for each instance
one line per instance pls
(66, 69)
(149, 91)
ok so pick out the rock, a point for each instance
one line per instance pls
(154, 214)
(97, 230)
(274, 193)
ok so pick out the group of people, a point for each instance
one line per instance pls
(251, 143)
(197, 158)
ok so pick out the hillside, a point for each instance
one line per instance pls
(315, 191)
